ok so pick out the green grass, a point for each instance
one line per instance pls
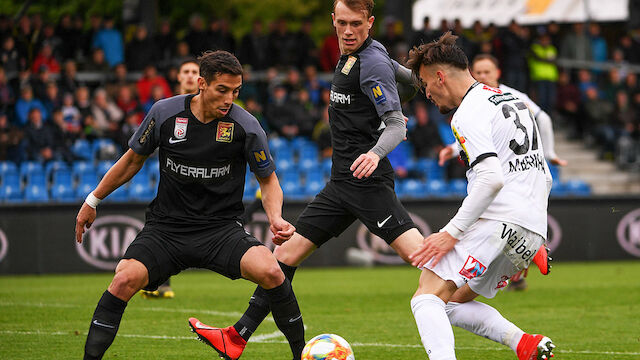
(591, 311)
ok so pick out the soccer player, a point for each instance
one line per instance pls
(500, 225)
(484, 68)
(205, 143)
(364, 99)
(188, 74)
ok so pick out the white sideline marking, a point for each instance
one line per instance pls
(146, 308)
(261, 339)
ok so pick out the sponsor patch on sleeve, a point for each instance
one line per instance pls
(378, 94)
(262, 160)
(147, 131)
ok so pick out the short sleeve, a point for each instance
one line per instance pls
(378, 82)
(473, 135)
(145, 140)
(257, 153)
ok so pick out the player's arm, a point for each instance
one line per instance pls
(378, 82)
(488, 183)
(392, 135)
(546, 136)
(272, 199)
(121, 172)
(142, 144)
(405, 82)
(262, 165)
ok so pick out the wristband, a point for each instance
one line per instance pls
(92, 200)
(452, 230)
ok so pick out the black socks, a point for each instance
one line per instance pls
(286, 314)
(104, 326)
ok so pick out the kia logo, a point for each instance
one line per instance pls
(629, 233)
(108, 238)
(378, 249)
(4, 245)
(554, 234)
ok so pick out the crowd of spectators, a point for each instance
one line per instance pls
(46, 105)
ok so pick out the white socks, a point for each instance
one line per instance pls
(482, 319)
(434, 327)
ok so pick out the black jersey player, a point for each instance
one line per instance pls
(205, 143)
(366, 124)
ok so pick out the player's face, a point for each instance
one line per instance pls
(188, 78)
(352, 27)
(486, 72)
(433, 79)
(219, 94)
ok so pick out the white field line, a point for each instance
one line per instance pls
(263, 339)
(136, 308)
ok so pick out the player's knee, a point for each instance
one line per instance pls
(126, 282)
(272, 277)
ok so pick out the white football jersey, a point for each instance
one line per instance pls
(535, 109)
(488, 123)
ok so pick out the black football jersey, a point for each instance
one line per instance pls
(362, 90)
(202, 166)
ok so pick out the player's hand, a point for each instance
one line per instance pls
(86, 217)
(406, 121)
(435, 247)
(282, 231)
(365, 165)
(445, 154)
(559, 162)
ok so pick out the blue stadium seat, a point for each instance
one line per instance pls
(55, 165)
(62, 177)
(10, 193)
(429, 168)
(84, 188)
(36, 193)
(326, 167)
(12, 179)
(277, 144)
(7, 167)
(37, 179)
(152, 166)
(308, 163)
(82, 149)
(80, 167)
(284, 165)
(62, 192)
(437, 188)
(555, 171)
(121, 194)
(558, 189)
(413, 188)
(30, 167)
(250, 188)
(458, 187)
(291, 184)
(314, 182)
(103, 167)
(577, 188)
(141, 192)
(106, 145)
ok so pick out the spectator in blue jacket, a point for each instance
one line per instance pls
(110, 41)
(25, 104)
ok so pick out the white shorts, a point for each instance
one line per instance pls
(487, 254)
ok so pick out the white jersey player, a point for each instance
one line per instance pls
(500, 225)
(485, 70)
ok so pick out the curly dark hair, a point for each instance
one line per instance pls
(441, 51)
(213, 63)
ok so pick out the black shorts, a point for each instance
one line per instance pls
(341, 202)
(166, 251)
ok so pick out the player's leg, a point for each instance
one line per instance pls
(483, 320)
(321, 220)
(146, 264)
(236, 255)
(131, 276)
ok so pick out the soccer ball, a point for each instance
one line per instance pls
(327, 347)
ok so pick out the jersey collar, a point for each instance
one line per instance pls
(364, 45)
(469, 90)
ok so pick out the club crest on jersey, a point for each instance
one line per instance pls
(180, 128)
(472, 268)
(225, 132)
(378, 94)
(349, 64)
(261, 159)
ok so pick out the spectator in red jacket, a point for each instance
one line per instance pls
(150, 79)
(45, 57)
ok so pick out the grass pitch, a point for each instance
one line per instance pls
(590, 310)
